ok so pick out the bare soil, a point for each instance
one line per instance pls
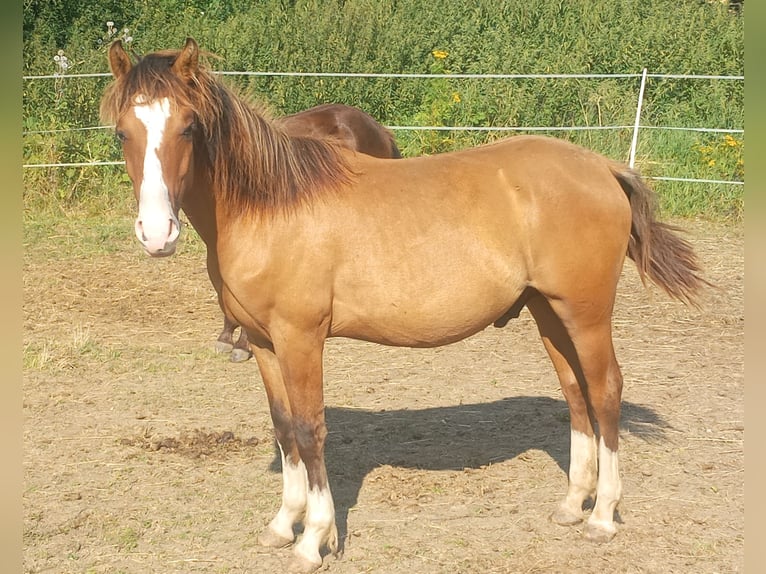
(144, 451)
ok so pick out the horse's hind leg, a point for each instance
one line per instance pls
(604, 380)
(581, 348)
(583, 463)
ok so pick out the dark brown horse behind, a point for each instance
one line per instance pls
(347, 125)
(350, 126)
(317, 241)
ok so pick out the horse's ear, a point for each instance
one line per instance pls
(187, 63)
(119, 61)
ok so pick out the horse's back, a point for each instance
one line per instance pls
(350, 126)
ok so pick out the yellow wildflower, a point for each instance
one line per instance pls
(439, 54)
(456, 97)
(730, 141)
(711, 162)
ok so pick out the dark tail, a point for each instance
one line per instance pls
(660, 254)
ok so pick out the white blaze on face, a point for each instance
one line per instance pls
(157, 227)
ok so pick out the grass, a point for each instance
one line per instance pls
(698, 156)
(362, 36)
(76, 231)
(80, 351)
(37, 356)
(97, 226)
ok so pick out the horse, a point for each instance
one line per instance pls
(317, 241)
(350, 126)
(347, 125)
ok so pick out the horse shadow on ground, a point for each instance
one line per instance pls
(466, 436)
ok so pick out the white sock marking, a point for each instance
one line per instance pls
(583, 465)
(609, 488)
(319, 525)
(294, 493)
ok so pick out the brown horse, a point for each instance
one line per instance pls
(347, 125)
(317, 241)
(350, 126)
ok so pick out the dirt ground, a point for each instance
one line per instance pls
(146, 452)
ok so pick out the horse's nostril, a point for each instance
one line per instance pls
(140, 230)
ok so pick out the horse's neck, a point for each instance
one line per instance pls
(199, 206)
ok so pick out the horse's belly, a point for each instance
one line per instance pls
(412, 332)
(429, 311)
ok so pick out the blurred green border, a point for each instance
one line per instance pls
(10, 235)
(755, 281)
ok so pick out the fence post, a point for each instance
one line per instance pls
(634, 143)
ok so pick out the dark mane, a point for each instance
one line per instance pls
(254, 164)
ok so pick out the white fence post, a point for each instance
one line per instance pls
(634, 143)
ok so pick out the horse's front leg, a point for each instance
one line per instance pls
(302, 369)
(225, 341)
(280, 532)
(241, 351)
(295, 394)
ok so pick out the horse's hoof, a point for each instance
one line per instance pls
(333, 542)
(240, 355)
(302, 565)
(273, 540)
(221, 347)
(598, 534)
(565, 517)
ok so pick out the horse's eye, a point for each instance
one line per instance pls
(187, 133)
(121, 136)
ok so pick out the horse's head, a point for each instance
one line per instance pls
(156, 124)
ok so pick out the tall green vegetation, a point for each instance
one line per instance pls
(441, 36)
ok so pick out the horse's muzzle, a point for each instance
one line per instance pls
(159, 238)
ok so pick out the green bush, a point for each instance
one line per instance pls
(442, 36)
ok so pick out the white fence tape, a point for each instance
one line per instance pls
(636, 127)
